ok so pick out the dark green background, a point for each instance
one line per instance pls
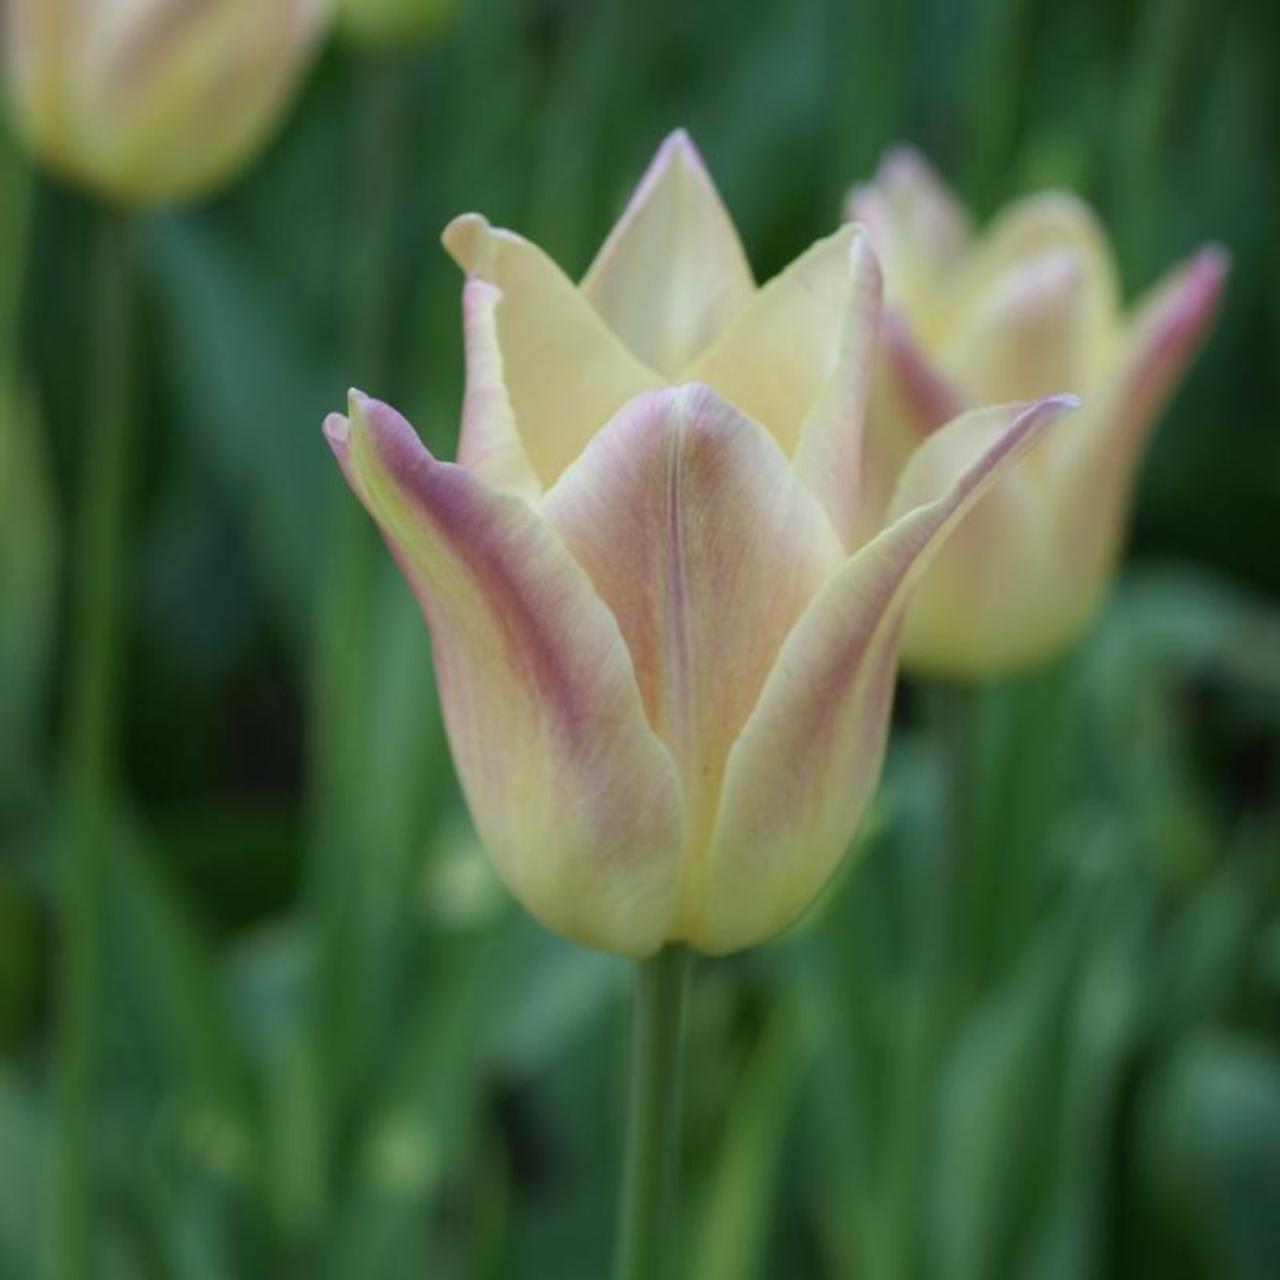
(1032, 1031)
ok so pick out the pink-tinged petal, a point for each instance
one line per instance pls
(566, 374)
(807, 760)
(1027, 335)
(1168, 328)
(1025, 572)
(778, 356)
(490, 443)
(918, 228)
(690, 523)
(573, 794)
(829, 456)
(999, 593)
(672, 273)
(1027, 230)
(910, 399)
(924, 397)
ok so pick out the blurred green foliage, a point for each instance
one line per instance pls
(1031, 1031)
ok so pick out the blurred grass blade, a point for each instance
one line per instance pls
(1210, 1156)
(739, 1211)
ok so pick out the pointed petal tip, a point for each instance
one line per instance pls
(1209, 268)
(1184, 308)
(1026, 430)
(1057, 406)
(1036, 416)
(903, 159)
(677, 149)
(679, 144)
(1215, 254)
(374, 424)
(861, 258)
(904, 168)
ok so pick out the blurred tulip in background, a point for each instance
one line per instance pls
(152, 101)
(1030, 307)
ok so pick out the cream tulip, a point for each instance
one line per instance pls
(153, 101)
(665, 655)
(1028, 308)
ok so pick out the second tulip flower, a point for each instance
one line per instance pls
(1031, 306)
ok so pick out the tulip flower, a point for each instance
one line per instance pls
(665, 655)
(152, 101)
(388, 24)
(1030, 307)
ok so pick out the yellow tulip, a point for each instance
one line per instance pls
(666, 658)
(1029, 308)
(153, 101)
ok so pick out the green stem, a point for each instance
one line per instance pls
(652, 1160)
(89, 738)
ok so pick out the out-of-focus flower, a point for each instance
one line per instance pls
(151, 101)
(1029, 308)
(389, 24)
(665, 656)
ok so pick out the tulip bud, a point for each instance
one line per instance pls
(153, 101)
(390, 24)
(666, 654)
(1030, 308)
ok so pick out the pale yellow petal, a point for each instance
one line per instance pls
(833, 440)
(1028, 569)
(1100, 461)
(1026, 230)
(999, 594)
(490, 444)
(910, 399)
(777, 357)
(566, 374)
(1027, 335)
(672, 273)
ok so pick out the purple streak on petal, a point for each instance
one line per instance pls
(928, 395)
(448, 497)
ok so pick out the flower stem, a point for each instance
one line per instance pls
(652, 1160)
(90, 730)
